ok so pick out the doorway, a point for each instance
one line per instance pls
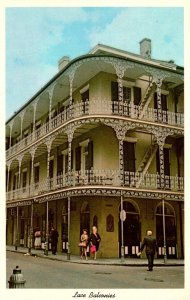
(131, 231)
(170, 230)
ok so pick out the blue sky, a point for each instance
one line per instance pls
(36, 38)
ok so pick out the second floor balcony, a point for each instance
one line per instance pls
(98, 178)
(98, 107)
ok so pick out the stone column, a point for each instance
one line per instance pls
(34, 117)
(8, 172)
(19, 172)
(50, 91)
(32, 152)
(158, 82)
(21, 123)
(48, 143)
(120, 70)
(70, 132)
(11, 128)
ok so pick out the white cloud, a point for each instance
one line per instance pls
(163, 26)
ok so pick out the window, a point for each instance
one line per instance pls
(24, 179)
(59, 164)
(51, 168)
(84, 156)
(15, 181)
(127, 94)
(85, 99)
(137, 95)
(129, 156)
(36, 174)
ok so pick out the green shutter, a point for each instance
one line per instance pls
(78, 158)
(137, 95)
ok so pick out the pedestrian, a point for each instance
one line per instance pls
(151, 247)
(84, 243)
(94, 241)
(37, 240)
(54, 239)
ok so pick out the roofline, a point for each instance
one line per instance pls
(80, 58)
(104, 47)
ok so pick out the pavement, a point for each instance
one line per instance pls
(99, 261)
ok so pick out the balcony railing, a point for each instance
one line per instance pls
(100, 107)
(102, 178)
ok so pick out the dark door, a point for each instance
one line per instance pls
(128, 162)
(131, 231)
(170, 232)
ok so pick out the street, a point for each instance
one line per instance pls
(45, 273)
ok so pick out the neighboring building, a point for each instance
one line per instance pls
(100, 144)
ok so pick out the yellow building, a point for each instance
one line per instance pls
(100, 144)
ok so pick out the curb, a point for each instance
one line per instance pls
(91, 262)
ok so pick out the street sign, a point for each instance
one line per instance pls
(122, 215)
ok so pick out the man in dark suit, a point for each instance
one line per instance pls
(54, 239)
(151, 247)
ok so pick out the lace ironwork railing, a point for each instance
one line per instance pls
(100, 107)
(98, 178)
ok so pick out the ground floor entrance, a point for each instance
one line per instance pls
(104, 212)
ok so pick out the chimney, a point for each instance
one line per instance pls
(63, 62)
(145, 48)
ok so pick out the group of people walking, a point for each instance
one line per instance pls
(53, 239)
(91, 241)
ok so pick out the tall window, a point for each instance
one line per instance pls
(84, 156)
(36, 175)
(129, 156)
(15, 181)
(85, 99)
(24, 179)
(51, 168)
(137, 95)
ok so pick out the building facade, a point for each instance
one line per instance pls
(102, 143)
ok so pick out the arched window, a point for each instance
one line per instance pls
(168, 227)
(85, 217)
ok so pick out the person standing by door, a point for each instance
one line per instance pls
(151, 247)
(84, 243)
(54, 239)
(94, 241)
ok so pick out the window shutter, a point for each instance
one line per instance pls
(137, 95)
(114, 91)
(129, 156)
(85, 96)
(60, 164)
(78, 158)
(51, 168)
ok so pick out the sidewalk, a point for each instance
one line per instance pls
(99, 261)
